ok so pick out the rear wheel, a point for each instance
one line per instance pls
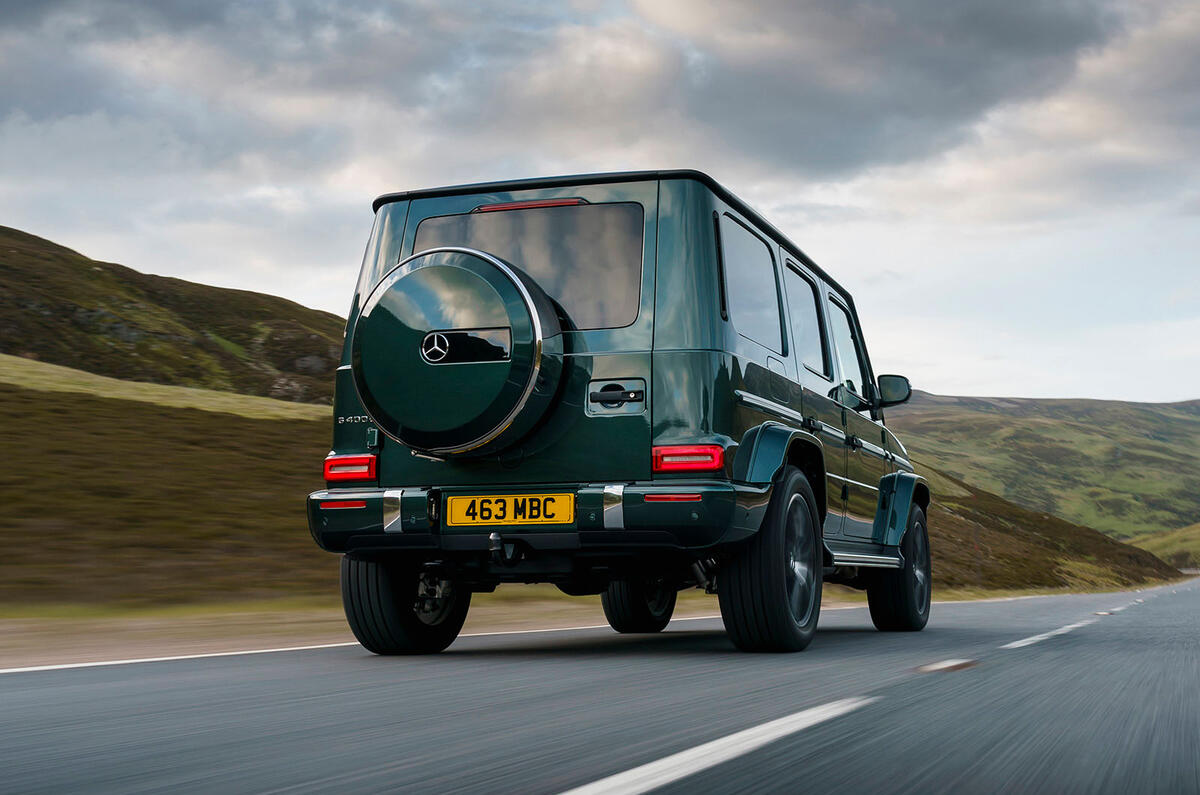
(394, 608)
(899, 599)
(638, 605)
(770, 593)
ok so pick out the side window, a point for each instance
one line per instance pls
(853, 373)
(750, 284)
(808, 337)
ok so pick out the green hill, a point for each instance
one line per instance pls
(1126, 469)
(153, 494)
(1180, 548)
(58, 306)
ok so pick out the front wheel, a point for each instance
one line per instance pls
(638, 605)
(770, 593)
(394, 608)
(899, 599)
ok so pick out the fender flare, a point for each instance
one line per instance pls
(763, 452)
(897, 493)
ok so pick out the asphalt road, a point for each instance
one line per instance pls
(1110, 704)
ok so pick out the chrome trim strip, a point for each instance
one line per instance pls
(855, 482)
(392, 516)
(780, 410)
(614, 507)
(768, 405)
(873, 449)
(344, 367)
(870, 561)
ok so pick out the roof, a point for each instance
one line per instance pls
(622, 176)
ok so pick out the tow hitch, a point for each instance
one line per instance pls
(502, 552)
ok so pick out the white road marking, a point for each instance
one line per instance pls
(945, 665)
(66, 666)
(693, 760)
(1017, 644)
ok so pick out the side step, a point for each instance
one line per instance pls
(871, 561)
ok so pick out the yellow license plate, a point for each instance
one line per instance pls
(511, 509)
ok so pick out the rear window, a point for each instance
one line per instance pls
(750, 283)
(587, 257)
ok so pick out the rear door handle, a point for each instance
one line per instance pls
(618, 398)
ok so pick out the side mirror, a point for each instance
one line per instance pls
(893, 390)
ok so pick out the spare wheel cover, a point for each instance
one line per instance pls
(456, 352)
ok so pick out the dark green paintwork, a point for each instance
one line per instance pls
(897, 492)
(428, 405)
(705, 383)
(765, 450)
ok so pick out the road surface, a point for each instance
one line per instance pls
(1080, 693)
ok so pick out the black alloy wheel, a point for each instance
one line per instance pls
(900, 598)
(770, 592)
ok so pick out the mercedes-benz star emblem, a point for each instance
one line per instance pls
(434, 347)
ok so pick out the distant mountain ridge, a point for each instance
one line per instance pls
(59, 306)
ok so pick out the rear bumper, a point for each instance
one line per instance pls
(611, 517)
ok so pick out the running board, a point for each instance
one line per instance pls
(873, 561)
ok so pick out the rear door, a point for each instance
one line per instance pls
(808, 347)
(592, 250)
(866, 459)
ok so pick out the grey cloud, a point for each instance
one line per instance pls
(816, 89)
(863, 83)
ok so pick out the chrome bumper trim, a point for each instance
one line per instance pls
(614, 507)
(392, 516)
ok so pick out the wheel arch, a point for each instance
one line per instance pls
(766, 449)
(898, 492)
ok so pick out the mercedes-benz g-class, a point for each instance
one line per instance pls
(623, 384)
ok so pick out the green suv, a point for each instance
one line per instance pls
(623, 384)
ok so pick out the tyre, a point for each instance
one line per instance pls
(899, 598)
(638, 605)
(770, 593)
(393, 608)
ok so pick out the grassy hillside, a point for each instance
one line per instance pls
(117, 493)
(59, 306)
(1125, 469)
(109, 500)
(1180, 548)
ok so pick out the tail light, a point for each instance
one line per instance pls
(349, 467)
(688, 458)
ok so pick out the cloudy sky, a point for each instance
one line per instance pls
(1010, 188)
